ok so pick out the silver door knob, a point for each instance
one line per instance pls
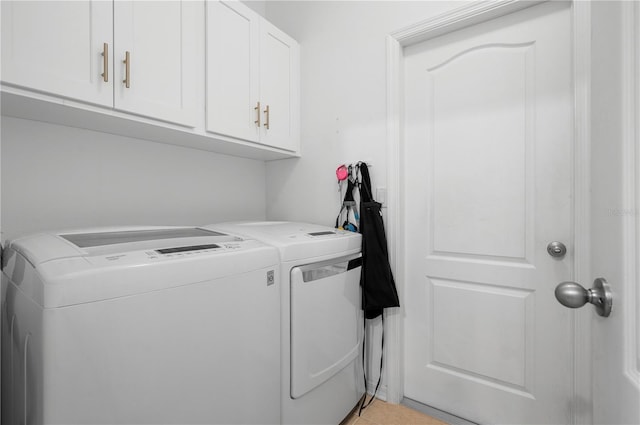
(574, 295)
(556, 249)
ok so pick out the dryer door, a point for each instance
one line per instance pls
(326, 320)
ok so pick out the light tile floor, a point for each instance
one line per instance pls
(383, 413)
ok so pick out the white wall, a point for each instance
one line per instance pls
(343, 102)
(57, 177)
(258, 6)
(343, 106)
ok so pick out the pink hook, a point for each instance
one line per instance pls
(342, 173)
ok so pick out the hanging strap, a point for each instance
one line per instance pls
(338, 216)
(365, 183)
(364, 398)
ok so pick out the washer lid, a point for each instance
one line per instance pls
(61, 269)
(44, 247)
(296, 241)
(90, 240)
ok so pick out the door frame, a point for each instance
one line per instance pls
(631, 187)
(458, 18)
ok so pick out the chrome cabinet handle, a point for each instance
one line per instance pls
(127, 69)
(574, 295)
(105, 62)
(266, 112)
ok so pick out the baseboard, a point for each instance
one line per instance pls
(435, 413)
(382, 390)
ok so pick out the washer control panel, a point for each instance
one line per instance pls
(169, 253)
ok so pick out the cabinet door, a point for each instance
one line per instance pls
(279, 88)
(162, 39)
(232, 70)
(56, 47)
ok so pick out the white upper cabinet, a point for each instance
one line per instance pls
(56, 47)
(279, 88)
(160, 40)
(147, 69)
(233, 42)
(59, 47)
(252, 78)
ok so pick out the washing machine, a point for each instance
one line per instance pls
(145, 325)
(322, 377)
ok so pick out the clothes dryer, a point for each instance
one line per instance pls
(140, 325)
(322, 378)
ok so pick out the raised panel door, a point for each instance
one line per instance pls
(162, 39)
(56, 47)
(232, 70)
(279, 88)
(487, 170)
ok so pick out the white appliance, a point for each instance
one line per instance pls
(322, 378)
(140, 325)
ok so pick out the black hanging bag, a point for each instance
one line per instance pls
(378, 286)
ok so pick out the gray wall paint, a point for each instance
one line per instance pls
(57, 177)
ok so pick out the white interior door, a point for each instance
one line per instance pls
(487, 172)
